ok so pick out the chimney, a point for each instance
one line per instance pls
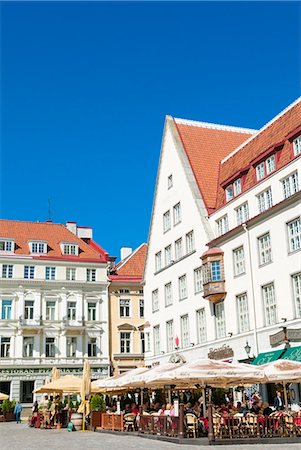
(72, 226)
(125, 252)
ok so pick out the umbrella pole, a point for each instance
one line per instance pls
(285, 395)
(83, 427)
(204, 401)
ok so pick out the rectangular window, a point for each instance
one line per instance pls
(125, 342)
(290, 185)
(201, 324)
(148, 342)
(169, 182)
(6, 309)
(294, 234)
(177, 214)
(168, 294)
(220, 320)
(92, 347)
(237, 187)
(157, 348)
(166, 221)
(91, 311)
(28, 309)
(91, 274)
(50, 273)
(6, 246)
(155, 300)
(4, 347)
(185, 331)
(71, 310)
(270, 164)
(71, 347)
(158, 261)
(7, 270)
(243, 313)
(297, 146)
(189, 242)
(229, 193)
(28, 342)
(198, 280)
(265, 200)
(264, 249)
(142, 342)
(260, 172)
(50, 309)
(297, 292)
(215, 271)
(167, 255)
(242, 213)
(29, 272)
(38, 247)
(70, 274)
(178, 249)
(141, 308)
(222, 225)
(50, 347)
(124, 308)
(169, 336)
(269, 301)
(182, 287)
(70, 249)
(239, 261)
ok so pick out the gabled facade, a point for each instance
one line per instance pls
(218, 289)
(54, 304)
(126, 312)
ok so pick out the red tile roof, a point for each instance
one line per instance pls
(131, 268)
(275, 133)
(206, 145)
(53, 234)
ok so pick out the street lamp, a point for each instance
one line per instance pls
(248, 349)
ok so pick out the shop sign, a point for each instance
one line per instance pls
(221, 353)
(284, 336)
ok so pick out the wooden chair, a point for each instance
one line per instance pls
(217, 430)
(129, 422)
(191, 424)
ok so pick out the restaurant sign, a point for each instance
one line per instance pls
(221, 353)
(284, 336)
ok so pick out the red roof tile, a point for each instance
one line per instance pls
(53, 234)
(133, 265)
(206, 145)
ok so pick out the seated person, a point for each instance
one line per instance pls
(266, 409)
(135, 409)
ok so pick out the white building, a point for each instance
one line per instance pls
(223, 261)
(54, 304)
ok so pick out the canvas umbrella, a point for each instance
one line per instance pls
(67, 384)
(126, 380)
(143, 378)
(55, 374)
(85, 390)
(4, 396)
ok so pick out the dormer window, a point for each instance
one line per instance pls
(70, 249)
(297, 146)
(38, 247)
(233, 190)
(265, 167)
(7, 245)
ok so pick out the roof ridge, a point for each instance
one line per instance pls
(125, 260)
(214, 126)
(284, 111)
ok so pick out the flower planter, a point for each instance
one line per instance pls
(9, 416)
(96, 419)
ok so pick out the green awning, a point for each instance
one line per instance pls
(267, 357)
(292, 353)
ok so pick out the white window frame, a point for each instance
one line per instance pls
(265, 200)
(50, 312)
(69, 248)
(91, 275)
(189, 242)
(220, 320)
(296, 280)
(297, 145)
(243, 312)
(168, 255)
(177, 214)
(50, 273)
(92, 342)
(6, 309)
(242, 213)
(294, 234)
(71, 346)
(125, 342)
(222, 225)
(125, 307)
(185, 337)
(5, 342)
(169, 336)
(201, 325)
(29, 309)
(169, 181)
(70, 273)
(229, 193)
(71, 309)
(237, 187)
(38, 247)
(270, 164)
(264, 249)
(178, 249)
(183, 287)
(7, 270)
(29, 272)
(91, 311)
(198, 280)
(141, 308)
(28, 346)
(269, 304)
(239, 262)
(158, 261)
(168, 294)
(166, 221)
(290, 185)
(51, 346)
(157, 343)
(7, 245)
(260, 171)
(155, 300)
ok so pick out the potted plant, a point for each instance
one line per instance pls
(98, 406)
(8, 410)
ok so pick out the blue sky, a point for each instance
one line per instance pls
(85, 88)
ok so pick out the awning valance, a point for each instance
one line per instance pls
(267, 357)
(293, 354)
